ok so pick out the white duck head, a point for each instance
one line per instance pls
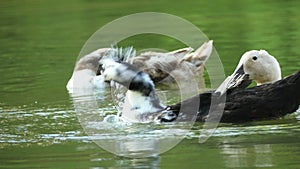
(260, 67)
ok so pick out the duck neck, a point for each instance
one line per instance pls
(144, 104)
(142, 96)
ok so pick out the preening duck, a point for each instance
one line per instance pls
(270, 99)
(158, 65)
(258, 65)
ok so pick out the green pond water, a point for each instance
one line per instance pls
(39, 45)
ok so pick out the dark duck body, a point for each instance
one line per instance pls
(232, 102)
(268, 101)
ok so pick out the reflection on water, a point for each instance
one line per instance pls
(239, 156)
(151, 162)
(263, 155)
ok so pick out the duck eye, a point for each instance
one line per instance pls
(254, 58)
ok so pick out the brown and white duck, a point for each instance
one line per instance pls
(158, 65)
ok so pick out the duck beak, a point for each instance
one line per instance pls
(232, 81)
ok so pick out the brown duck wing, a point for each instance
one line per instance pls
(158, 65)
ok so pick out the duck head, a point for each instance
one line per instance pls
(260, 66)
(141, 95)
(256, 65)
(127, 75)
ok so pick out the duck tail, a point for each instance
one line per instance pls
(291, 82)
(295, 79)
(297, 83)
(292, 79)
(201, 55)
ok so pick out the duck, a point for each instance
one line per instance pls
(269, 99)
(231, 102)
(259, 65)
(159, 65)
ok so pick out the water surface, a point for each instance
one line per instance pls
(40, 42)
